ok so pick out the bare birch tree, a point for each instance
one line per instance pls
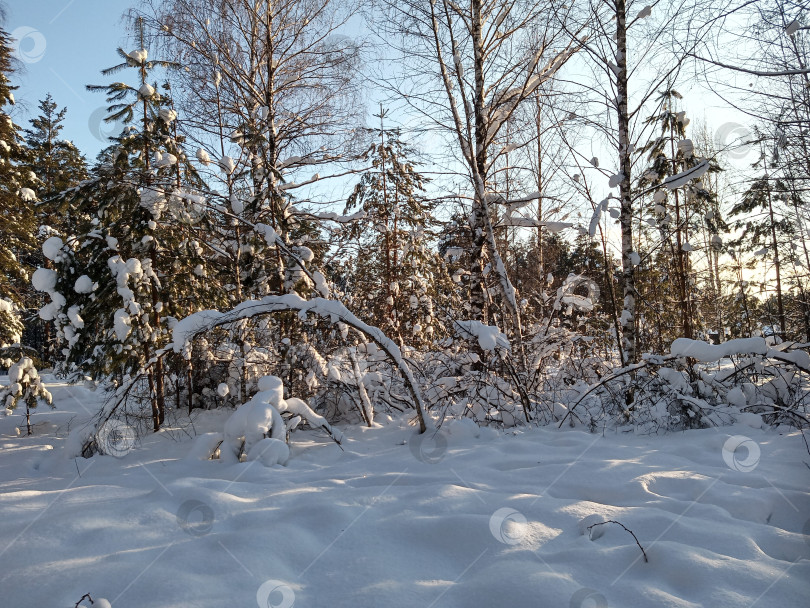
(632, 50)
(465, 68)
(272, 90)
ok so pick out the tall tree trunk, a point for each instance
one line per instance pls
(478, 218)
(538, 124)
(156, 390)
(683, 278)
(625, 192)
(779, 304)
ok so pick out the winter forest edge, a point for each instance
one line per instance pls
(413, 256)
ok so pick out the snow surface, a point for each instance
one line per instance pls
(27, 195)
(44, 279)
(84, 284)
(792, 27)
(51, 247)
(147, 91)
(527, 222)
(203, 156)
(464, 517)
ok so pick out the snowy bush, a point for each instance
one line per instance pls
(259, 429)
(700, 385)
(310, 312)
(25, 386)
(485, 376)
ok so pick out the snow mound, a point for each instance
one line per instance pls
(270, 452)
(51, 247)
(260, 419)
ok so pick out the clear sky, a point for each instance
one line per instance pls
(63, 45)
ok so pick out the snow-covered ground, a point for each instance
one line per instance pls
(393, 519)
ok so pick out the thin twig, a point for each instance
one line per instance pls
(611, 521)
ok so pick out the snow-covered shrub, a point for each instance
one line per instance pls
(474, 377)
(319, 314)
(489, 378)
(259, 429)
(700, 385)
(25, 386)
(360, 381)
(396, 281)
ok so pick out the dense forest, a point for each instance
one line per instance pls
(495, 274)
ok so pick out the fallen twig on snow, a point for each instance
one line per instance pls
(611, 521)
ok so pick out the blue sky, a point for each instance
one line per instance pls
(63, 46)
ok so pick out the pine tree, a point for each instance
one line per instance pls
(138, 260)
(398, 279)
(669, 154)
(25, 386)
(11, 326)
(57, 162)
(766, 226)
(59, 165)
(17, 192)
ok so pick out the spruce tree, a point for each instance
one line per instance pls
(59, 165)
(399, 282)
(57, 162)
(766, 226)
(138, 260)
(17, 192)
(675, 212)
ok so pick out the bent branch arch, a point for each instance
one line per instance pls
(200, 322)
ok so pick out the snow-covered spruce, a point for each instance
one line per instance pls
(25, 387)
